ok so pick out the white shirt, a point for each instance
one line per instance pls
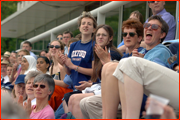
(6, 79)
(33, 102)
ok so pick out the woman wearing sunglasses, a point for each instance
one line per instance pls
(57, 69)
(130, 93)
(43, 89)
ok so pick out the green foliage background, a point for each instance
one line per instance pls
(8, 8)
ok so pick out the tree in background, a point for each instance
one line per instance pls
(8, 8)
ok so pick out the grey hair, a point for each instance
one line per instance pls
(31, 74)
(45, 78)
(11, 110)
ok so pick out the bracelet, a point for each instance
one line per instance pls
(77, 68)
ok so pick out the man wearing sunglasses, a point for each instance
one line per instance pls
(157, 8)
(67, 35)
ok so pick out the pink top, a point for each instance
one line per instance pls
(45, 113)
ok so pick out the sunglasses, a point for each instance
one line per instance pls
(41, 86)
(153, 26)
(131, 34)
(56, 46)
(151, 1)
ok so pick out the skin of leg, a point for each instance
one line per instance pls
(110, 91)
(133, 97)
(65, 106)
(73, 105)
(122, 99)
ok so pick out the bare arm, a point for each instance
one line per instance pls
(61, 83)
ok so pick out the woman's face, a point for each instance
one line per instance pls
(152, 37)
(29, 87)
(24, 64)
(20, 90)
(41, 64)
(9, 70)
(19, 56)
(54, 50)
(41, 92)
(86, 26)
(102, 37)
(131, 41)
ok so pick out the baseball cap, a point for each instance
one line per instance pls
(20, 79)
(7, 85)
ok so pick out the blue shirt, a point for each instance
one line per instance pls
(128, 55)
(160, 52)
(120, 44)
(166, 16)
(81, 54)
(32, 54)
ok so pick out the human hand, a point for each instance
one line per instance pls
(103, 55)
(83, 85)
(27, 106)
(61, 58)
(168, 111)
(137, 54)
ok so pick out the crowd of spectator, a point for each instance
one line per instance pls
(87, 77)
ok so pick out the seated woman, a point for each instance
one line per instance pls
(19, 88)
(103, 37)
(154, 33)
(58, 70)
(43, 89)
(29, 79)
(43, 64)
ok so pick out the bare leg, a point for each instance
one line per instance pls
(65, 107)
(122, 99)
(110, 91)
(73, 104)
(133, 97)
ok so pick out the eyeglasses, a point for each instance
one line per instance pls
(20, 55)
(56, 46)
(41, 86)
(103, 35)
(151, 1)
(60, 38)
(131, 34)
(153, 26)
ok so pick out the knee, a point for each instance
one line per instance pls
(109, 68)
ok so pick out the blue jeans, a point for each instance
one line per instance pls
(59, 112)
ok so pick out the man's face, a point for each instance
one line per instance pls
(12, 57)
(26, 47)
(157, 6)
(3, 70)
(66, 38)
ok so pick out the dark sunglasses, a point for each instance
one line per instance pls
(153, 26)
(56, 46)
(131, 34)
(151, 1)
(59, 38)
(41, 86)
